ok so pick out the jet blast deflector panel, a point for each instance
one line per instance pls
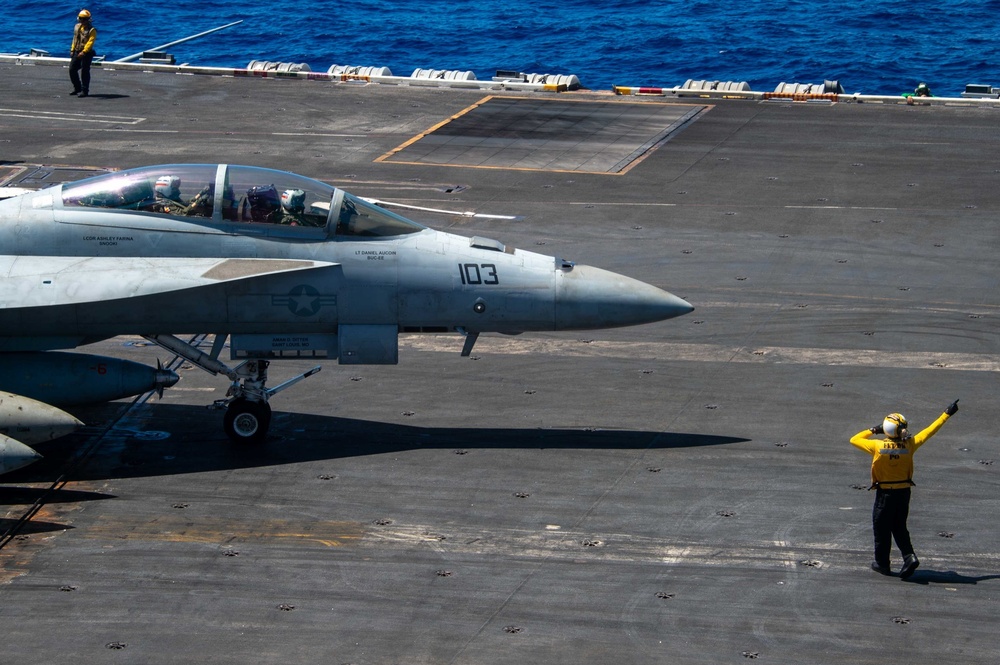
(547, 135)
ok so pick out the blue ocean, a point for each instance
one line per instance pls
(875, 47)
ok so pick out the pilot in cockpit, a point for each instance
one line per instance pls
(167, 192)
(263, 203)
(293, 206)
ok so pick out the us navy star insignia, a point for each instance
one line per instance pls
(304, 300)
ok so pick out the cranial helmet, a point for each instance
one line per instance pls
(168, 186)
(83, 14)
(293, 200)
(894, 426)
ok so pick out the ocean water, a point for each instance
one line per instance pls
(875, 47)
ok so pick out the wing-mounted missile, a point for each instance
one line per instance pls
(65, 379)
(14, 454)
(26, 421)
(30, 421)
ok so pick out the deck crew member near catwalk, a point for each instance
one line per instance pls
(82, 54)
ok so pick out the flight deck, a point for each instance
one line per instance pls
(678, 492)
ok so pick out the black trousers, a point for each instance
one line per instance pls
(79, 72)
(889, 514)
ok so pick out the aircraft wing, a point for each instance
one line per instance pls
(11, 192)
(45, 281)
(51, 302)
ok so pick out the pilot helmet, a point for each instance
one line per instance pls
(894, 426)
(293, 200)
(83, 15)
(168, 186)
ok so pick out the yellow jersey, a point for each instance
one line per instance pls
(892, 459)
(83, 39)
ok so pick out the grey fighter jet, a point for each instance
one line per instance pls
(279, 264)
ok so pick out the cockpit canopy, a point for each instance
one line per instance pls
(250, 195)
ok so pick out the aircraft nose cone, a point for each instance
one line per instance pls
(14, 454)
(589, 297)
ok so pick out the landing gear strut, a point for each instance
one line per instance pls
(248, 413)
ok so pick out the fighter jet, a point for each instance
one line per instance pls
(280, 265)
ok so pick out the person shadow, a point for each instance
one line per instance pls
(106, 96)
(927, 577)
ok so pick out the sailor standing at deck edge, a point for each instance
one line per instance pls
(892, 478)
(82, 54)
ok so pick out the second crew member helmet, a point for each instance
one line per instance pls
(83, 14)
(894, 426)
(293, 200)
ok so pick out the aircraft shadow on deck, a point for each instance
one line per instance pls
(31, 527)
(15, 496)
(196, 444)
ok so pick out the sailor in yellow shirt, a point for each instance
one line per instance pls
(892, 478)
(82, 54)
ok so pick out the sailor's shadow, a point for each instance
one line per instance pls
(106, 96)
(947, 577)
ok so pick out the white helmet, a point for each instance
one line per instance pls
(894, 426)
(168, 186)
(293, 200)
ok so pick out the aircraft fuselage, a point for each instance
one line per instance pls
(93, 261)
(278, 264)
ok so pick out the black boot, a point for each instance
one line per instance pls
(878, 568)
(910, 564)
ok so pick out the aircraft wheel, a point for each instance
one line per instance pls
(247, 422)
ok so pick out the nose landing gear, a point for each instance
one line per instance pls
(248, 413)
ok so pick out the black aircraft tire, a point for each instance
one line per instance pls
(247, 422)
